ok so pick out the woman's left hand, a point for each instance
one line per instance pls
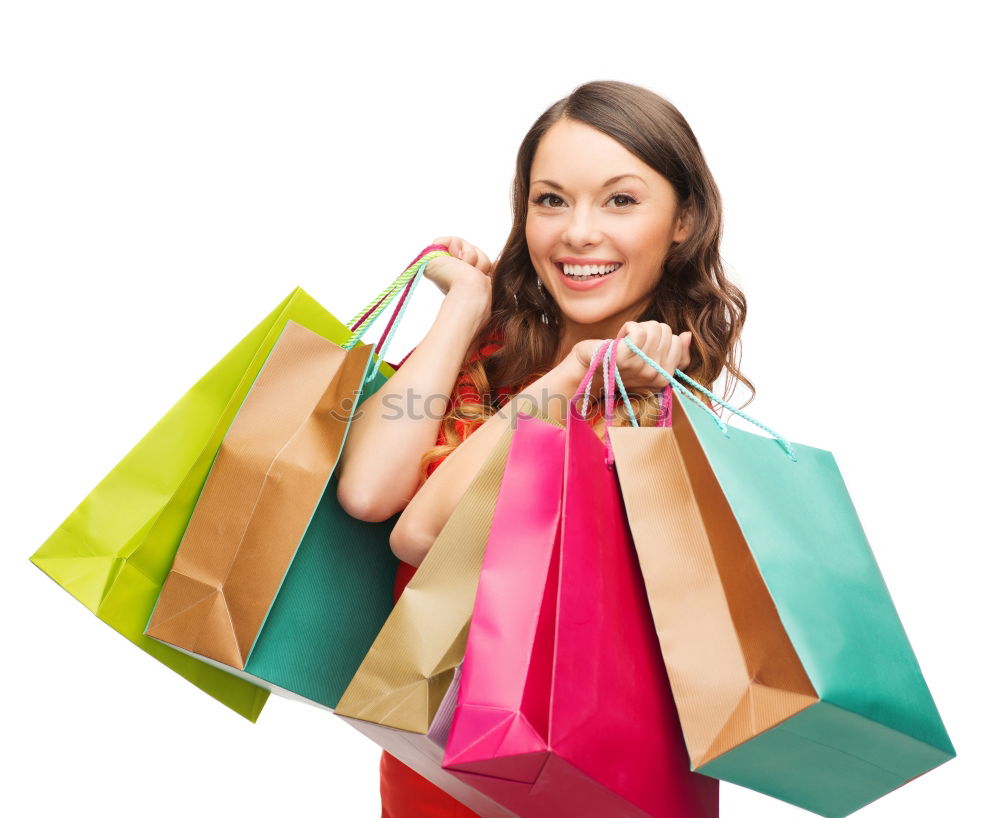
(657, 341)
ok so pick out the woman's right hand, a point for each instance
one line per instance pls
(467, 266)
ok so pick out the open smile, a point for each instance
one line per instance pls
(586, 276)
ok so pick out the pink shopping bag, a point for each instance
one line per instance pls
(564, 707)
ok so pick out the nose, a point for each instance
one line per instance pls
(581, 229)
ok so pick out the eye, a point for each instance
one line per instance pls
(538, 200)
(615, 197)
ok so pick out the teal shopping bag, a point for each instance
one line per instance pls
(273, 580)
(791, 670)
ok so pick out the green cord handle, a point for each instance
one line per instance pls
(367, 316)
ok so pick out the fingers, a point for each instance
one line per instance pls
(652, 337)
(687, 338)
(656, 340)
(637, 333)
(588, 348)
(469, 253)
(482, 262)
(664, 341)
(631, 368)
(678, 352)
(451, 242)
(584, 352)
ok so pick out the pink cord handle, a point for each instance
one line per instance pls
(666, 418)
(395, 367)
(599, 358)
(609, 402)
(595, 361)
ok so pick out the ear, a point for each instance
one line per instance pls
(684, 225)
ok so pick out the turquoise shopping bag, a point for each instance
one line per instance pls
(791, 670)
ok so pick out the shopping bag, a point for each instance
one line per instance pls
(114, 550)
(395, 696)
(810, 691)
(564, 707)
(272, 579)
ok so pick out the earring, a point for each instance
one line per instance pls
(541, 289)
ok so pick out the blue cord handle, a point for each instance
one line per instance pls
(676, 385)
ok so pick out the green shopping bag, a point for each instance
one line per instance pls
(790, 668)
(114, 550)
(273, 580)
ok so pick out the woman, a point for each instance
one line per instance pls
(617, 222)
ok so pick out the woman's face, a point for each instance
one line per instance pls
(592, 202)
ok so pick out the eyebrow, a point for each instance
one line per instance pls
(610, 181)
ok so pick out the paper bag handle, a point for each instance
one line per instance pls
(674, 384)
(364, 319)
(408, 279)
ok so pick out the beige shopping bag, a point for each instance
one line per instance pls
(411, 663)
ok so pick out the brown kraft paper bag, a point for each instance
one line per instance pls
(273, 466)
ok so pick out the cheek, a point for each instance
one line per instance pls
(643, 238)
(649, 244)
(538, 242)
(532, 234)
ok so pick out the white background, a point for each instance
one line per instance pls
(170, 171)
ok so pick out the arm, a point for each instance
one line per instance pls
(424, 517)
(422, 520)
(378, 471)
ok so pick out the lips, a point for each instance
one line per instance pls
(573, 283)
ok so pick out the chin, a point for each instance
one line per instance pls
(591, 314)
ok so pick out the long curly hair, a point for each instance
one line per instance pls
(692, 293)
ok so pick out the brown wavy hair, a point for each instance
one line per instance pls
(692, 293)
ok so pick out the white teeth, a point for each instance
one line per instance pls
(587, 270)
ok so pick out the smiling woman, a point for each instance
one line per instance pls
(616, 226)
(624, 228)
(611, 174)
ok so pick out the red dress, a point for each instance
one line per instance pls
(405, 793)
